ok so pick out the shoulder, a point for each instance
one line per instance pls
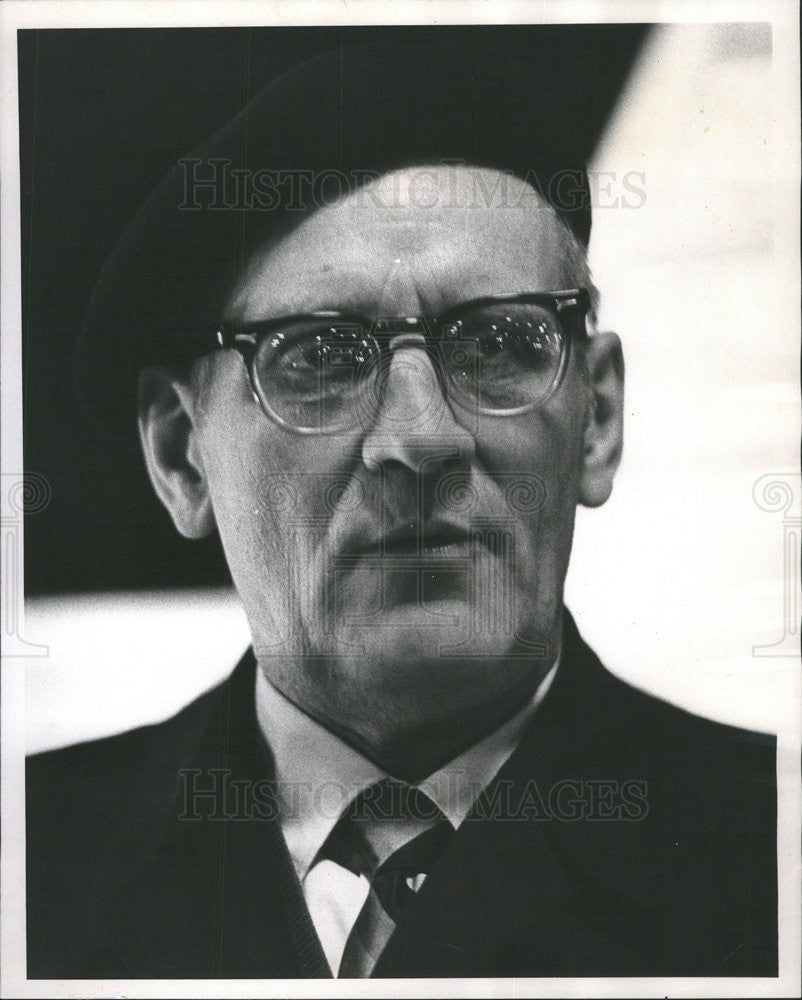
(689, 849)
(97, 814)
(671, 740)
(654, 731)
(707, 791)
(78, 796)
(111, 762)
(80, 801)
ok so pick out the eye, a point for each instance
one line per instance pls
(504, 355)
(520, 336)
(318, 352)
(313, 356)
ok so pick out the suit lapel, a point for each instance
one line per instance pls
(207, 897)
(516, 892)
(493, 882)
(513, 894)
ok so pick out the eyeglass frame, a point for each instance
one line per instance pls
(245, 338)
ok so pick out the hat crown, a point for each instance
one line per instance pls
(324, 127)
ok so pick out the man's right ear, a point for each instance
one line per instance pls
(172, 454)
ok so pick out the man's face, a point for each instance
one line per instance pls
(410, 569)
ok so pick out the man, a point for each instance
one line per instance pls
(388, 400)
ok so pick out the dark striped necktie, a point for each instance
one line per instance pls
(392, 834)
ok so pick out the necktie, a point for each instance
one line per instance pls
(392, 833)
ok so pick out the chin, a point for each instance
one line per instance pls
(411, 630)
(416, 644)
(411, 679)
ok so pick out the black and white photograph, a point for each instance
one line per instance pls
(401, 499)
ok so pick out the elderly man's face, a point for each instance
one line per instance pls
(409, 571)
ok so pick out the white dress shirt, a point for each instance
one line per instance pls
(318, 775)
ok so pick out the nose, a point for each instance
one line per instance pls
(414, 424)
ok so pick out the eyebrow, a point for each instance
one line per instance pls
(335, 290)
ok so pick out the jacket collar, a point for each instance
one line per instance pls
(519, 874)
(308, 757)
(224, 897)
(191, 897)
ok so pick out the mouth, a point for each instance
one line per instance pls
(438, 541)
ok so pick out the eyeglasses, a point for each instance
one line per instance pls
(326, 372)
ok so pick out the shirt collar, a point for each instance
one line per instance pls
(318, 774)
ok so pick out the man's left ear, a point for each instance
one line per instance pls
(604, 430)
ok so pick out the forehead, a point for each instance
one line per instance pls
(421, 239)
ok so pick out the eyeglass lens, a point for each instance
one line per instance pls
(326, 373)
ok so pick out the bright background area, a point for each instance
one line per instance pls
(681, 574)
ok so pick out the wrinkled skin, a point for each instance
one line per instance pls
(408, 664)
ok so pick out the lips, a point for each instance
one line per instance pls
(438, 539)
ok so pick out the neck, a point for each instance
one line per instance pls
(412, 752)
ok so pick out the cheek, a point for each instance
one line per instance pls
(268, 486)
(535, 460)
(535, 457)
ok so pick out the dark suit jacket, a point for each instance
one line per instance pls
(623, 837)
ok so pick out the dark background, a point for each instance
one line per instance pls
(103, 115)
